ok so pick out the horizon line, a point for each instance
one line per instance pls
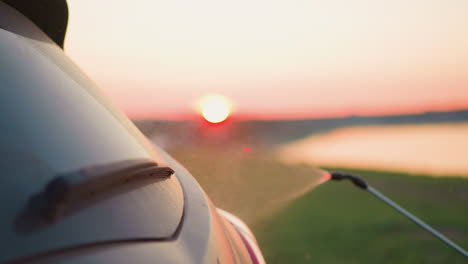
(287, 117)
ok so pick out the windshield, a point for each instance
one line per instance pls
(53, 121)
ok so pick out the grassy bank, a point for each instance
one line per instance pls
(335, 222)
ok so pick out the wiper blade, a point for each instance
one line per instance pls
(69, 190)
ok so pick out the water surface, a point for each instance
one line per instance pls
(434, 149)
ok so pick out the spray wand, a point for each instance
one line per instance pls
(363, 185)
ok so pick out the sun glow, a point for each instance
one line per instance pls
(215, 108)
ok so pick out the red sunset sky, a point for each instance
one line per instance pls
(275, 59)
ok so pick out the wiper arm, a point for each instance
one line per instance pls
(69, 190)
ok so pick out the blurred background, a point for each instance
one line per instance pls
(253, 97)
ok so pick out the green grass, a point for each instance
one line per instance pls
(335, 222)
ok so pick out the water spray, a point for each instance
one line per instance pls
(363, 185)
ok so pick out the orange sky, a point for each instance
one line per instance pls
(275, 59)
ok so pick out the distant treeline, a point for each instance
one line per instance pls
(277, 131)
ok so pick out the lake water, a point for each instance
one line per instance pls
(434, 149)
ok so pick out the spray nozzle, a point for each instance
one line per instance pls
(356, 180)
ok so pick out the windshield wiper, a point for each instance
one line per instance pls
(69, 191)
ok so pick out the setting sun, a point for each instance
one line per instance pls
(215, 108)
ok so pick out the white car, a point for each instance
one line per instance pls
(80, 183)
